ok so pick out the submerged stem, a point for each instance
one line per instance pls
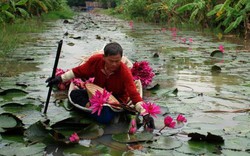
(162, 129)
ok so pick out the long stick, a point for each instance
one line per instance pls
(53, 73)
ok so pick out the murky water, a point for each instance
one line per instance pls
(185, 65)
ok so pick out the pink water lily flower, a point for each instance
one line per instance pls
(221, 48)
(168, 122)
(181, 118)
(97, 101)
(131, 24)
(74, 138)
(133, 127)
(151, 109)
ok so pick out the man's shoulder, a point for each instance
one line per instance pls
(95, 57)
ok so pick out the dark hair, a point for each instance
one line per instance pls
(113, 48)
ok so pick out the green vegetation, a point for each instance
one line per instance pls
(14, 34)
(227, 16)
(19, 17)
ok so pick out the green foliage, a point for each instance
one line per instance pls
(195, 9)
(12, 9)
(135, 8)
(163, 10)
(15, 33)
(231, 14)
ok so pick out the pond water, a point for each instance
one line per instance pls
(212, 101)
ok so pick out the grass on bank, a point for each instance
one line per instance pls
(14, 34)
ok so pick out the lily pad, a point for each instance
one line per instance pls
(238, 153)
(216, 53)
(134, 138)
(91, 132)
(215, 69)
(109, 142)
(198, 148)
(165, 143)
(81, 150)
(10, 94)
(13, 91)
(9, 122)
(236, 143)
(84, 130)
(15, 107)
(20, 149)
(36, 132)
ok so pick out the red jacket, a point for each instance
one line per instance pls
(120, 83)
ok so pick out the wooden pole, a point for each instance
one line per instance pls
(53, 73)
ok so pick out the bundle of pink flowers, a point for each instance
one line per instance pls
(64, 85)
(143, 71)
(78, 82)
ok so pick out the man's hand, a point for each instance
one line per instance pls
(53, 81)
(148, 121)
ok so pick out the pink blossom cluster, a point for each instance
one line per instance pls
(97, 101)
(77, 81)
(63, 85)
(142, 71)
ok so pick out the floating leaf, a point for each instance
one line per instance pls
(236, 144)
(116, 128)
(15, 107)
(82, 150)
(10, 94)
(36, 132)
(137, 137)
(198, 148)
(215, 69)
(216, 53)
(238, 153)
(20, 149)
(109, 142)
(165, 143)
(91, 132)
(9, 122)
(13, 91)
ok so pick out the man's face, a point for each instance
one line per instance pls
(113, 62)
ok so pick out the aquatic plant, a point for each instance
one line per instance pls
(97, 101)
(151, 108)
(74, 138)
(142, 71)
(169, 121)
(132, 126)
